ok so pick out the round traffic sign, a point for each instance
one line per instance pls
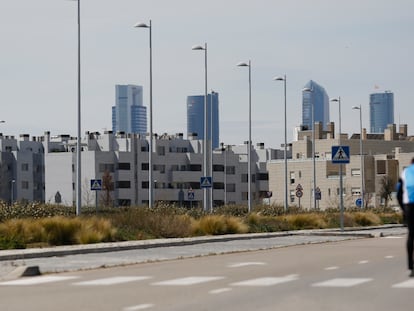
(299, 193)
(358, 202)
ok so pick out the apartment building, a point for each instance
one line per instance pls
(383, 157)
(21, 169)
(177, 168)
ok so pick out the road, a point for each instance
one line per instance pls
(361, 274)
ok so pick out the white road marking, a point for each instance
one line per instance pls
(405, 284)
(342, 282)
(220, 290)
(393, 237)
(139, 307)
(267, 281)
(112, 280)
(363, 262)
(332, 268)
(389, 257)
(189, 280)
(244, 264)
(38, 280)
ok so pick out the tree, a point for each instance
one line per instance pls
(107, 187)
(387, 186)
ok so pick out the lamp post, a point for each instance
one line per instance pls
(361, 155)
(205, 152)
(78, 140)
(224, 150)
(249, 145)
(151, 183)
(285, 145)
(12, 182)
(341, 190)
(211, 148)
(306, 89)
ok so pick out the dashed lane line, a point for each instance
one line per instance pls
(342, 282)
(112, 280)
(38, 280)
(192, 280)
(267, 281)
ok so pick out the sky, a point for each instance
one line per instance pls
(352, 48)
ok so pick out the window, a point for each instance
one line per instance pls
(195, 167)
(124, 166)
(263, 176)
(355, 172)
(218, 185)
(123, 184)
(356, 191)
(160, 168)
(230, 170)
(25, 185)
(244, 178)
(292, 196)
(25, 167)
(231, 188)
(161, 150)
(218, 168)
(144, 166)
(381, 167)
(145, 185)
(292, 177)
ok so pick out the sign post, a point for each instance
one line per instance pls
(96, 185)
(299, 192)
(190, 195)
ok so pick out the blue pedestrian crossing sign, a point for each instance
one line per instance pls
(205, 182)
(96, 184)
(340, 154)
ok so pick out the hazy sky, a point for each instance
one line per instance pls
(348, 47)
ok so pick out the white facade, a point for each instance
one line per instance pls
(177, 169)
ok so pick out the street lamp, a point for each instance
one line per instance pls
(307, 89)
(78, 140)
(211, 146)
(151, 184)
(341, 190)
(285, 145)
(249, 147)
(361, 155)
(205, 169)
(12, 191)
(224, 149)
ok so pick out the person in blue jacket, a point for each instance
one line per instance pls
(405, 196)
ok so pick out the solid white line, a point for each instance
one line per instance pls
(341, 282)
(112, 280)
(139, 307)
(38, 280)
(220, 290)
(189, 280)
(267, 281)
(332, 268)
(244, 264)
(363, 262)
(393, 237)
(405, 284)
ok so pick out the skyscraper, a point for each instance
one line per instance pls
(129, 115)
(195, 116)
(381, 111)
(320, 100)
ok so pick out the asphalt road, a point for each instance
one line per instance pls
(357, 274)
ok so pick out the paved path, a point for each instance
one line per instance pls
(81, 257)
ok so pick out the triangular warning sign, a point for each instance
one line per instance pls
(206, 182)
(340, 155)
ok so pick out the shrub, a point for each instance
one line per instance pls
(366, 219)
(306, 221)
(259, 223)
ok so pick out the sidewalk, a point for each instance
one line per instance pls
(57, 259)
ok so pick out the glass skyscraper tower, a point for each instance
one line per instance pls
(381, 111)
(320, 100)
(129, 115)
(195, 117)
